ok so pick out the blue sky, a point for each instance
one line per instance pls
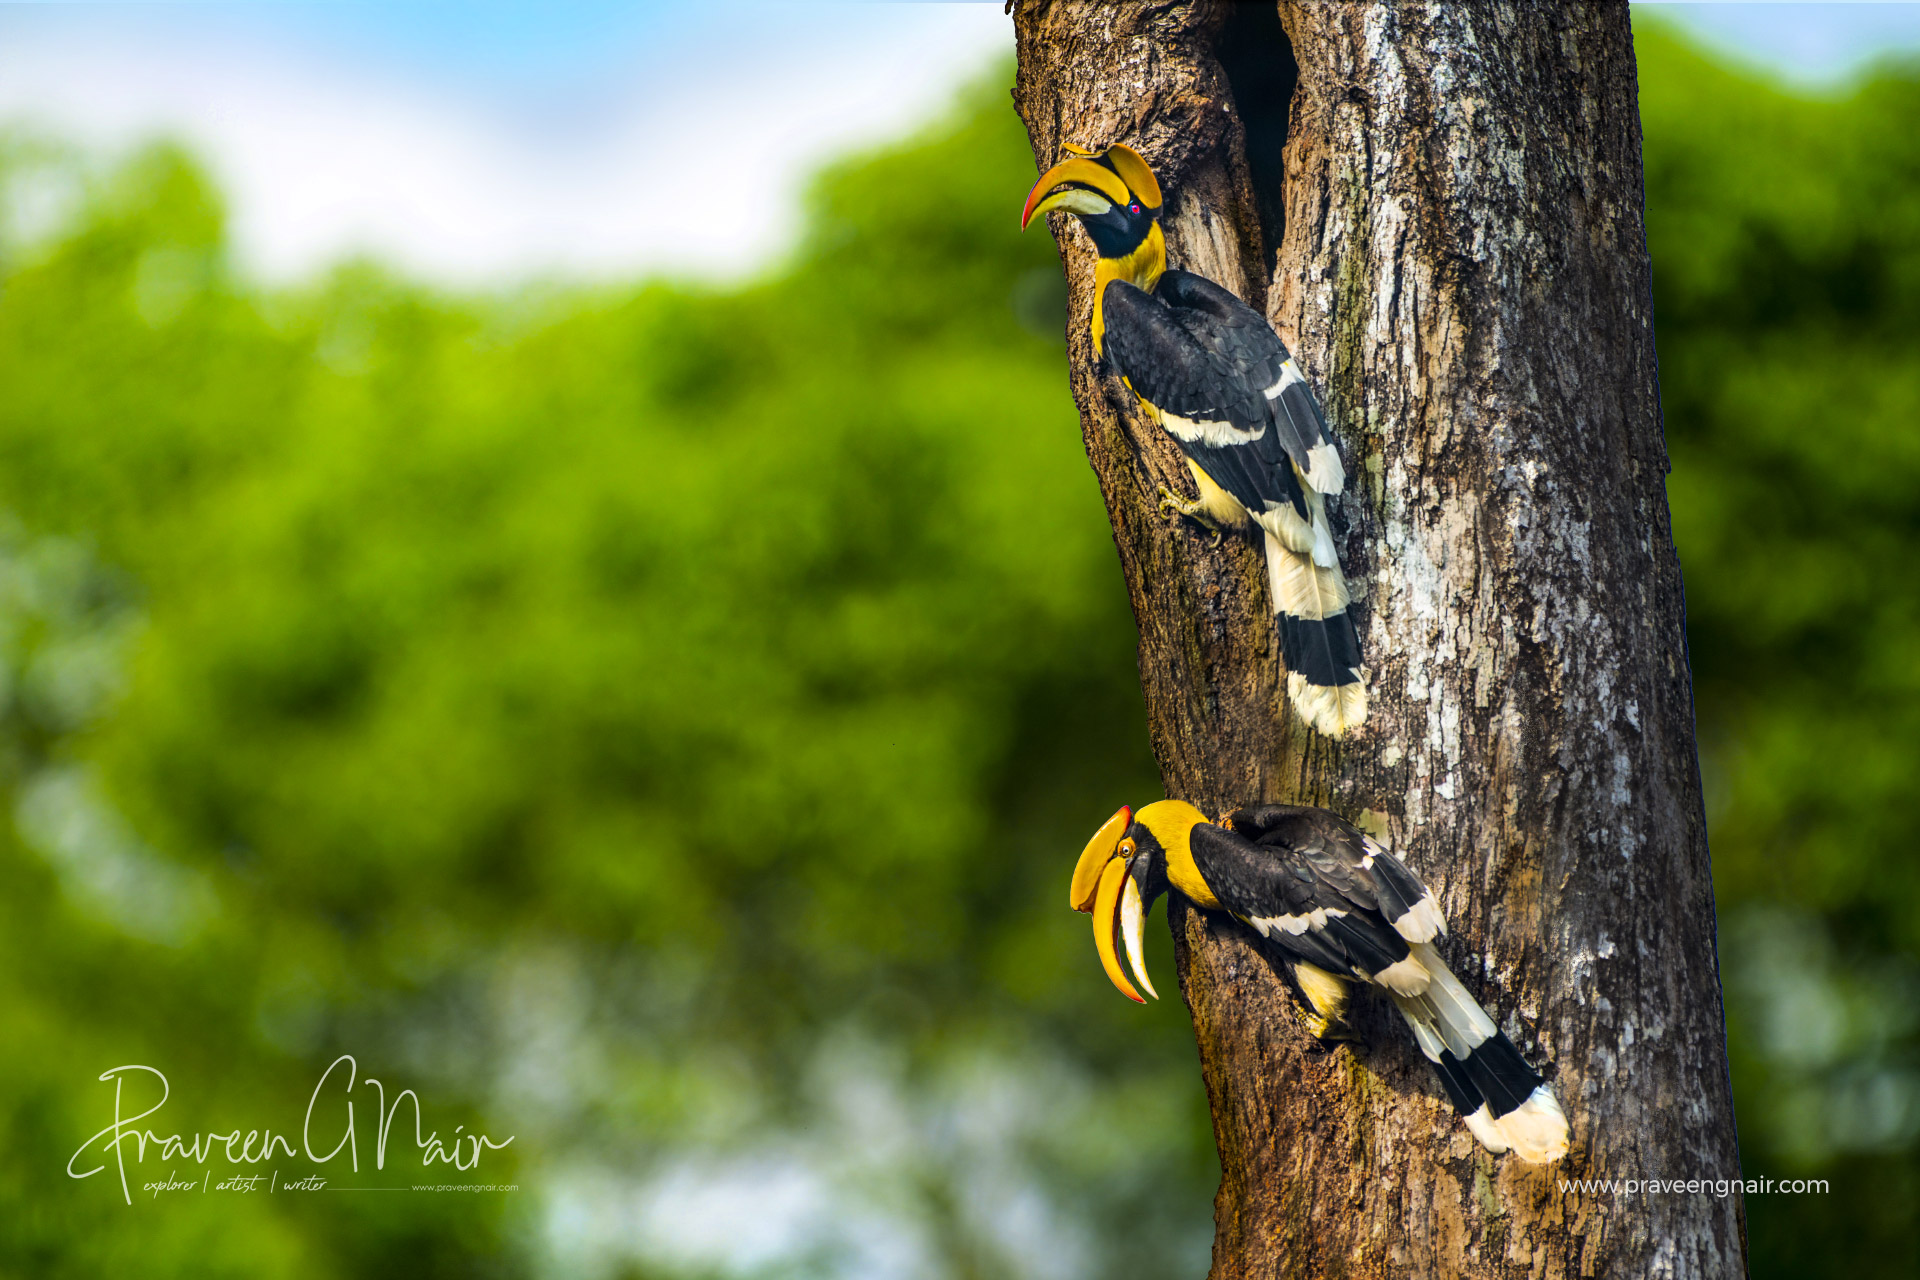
(479, 143)
(1809, 44)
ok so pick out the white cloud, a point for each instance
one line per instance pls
(1813, 44)
(688, 161)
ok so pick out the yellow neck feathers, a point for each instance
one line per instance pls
(1142, 267)
(1172, 822)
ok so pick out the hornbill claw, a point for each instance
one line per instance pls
(1330, 1031)
(1172, 503)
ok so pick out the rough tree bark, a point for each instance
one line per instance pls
(1460, 265)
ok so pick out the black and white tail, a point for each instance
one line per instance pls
(1317, 636)
(1505, 1102)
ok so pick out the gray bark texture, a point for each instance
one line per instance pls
(1461, 270)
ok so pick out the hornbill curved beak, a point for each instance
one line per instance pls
(1116, 881)
(1092, 182)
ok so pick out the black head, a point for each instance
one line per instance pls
(1113, 193)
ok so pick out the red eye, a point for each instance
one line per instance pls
(1134, 207)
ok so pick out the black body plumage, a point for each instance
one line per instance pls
(1319, 891)
(1223, 384)
(1288, 862)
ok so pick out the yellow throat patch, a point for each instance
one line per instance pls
(1172, 823)
(1142, 267)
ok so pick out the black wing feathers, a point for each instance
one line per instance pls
(1193, 349)
(1308, 946)
(1219, 319)
(1233, 332)
(1159, 353)
(1399, 888)
(1367, 940)
(1250, 881)
(1389, 886)
(1302, 863)
(1301, 412)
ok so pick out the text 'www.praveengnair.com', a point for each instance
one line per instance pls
(1693, 1186)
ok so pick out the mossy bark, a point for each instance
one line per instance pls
(1461, 268)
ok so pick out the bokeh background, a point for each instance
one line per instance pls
(549, 550)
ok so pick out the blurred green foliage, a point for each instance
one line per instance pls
(654, 722)
(1785, 232)
(708, 687)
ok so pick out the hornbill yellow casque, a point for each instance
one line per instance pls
(1332, 902)
(1211, 371)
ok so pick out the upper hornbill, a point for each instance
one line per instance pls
(1211, 371)
(1334, 903)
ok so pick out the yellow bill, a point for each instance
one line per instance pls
(1086, 872)
(1085, 187)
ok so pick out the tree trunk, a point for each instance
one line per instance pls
(1461, 270)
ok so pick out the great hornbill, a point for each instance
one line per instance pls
(1336, 905)
(1211, 371)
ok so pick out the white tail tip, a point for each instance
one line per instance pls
(1537, 1129)
(1484, 1127)
(1333, 711)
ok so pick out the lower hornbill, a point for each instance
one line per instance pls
(1336, 905)
(1214, 375)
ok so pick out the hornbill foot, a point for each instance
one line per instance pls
(1330, 1031)
(1172, 503)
